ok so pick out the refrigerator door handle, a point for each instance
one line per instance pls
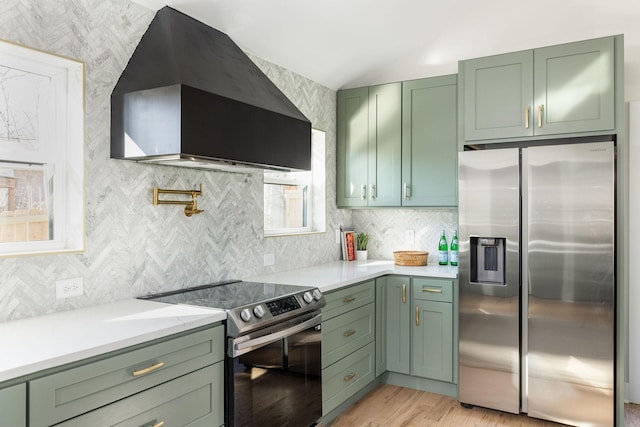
(524, 280)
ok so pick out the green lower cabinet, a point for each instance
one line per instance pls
(420, 327)
(348, 376)
(13, 406)
(398, 324)
(193, 400)
(348, 343)
(432, 341)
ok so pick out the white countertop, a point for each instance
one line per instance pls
(334, 275)
(33, 344)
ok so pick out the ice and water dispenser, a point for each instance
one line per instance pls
(487, 260)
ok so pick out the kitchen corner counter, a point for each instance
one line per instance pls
(34, 344)
(334, 275)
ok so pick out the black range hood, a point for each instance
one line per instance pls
(189, 96)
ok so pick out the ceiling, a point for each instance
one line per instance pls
(352, 43)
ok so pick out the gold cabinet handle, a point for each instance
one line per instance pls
(404, 191)
(348, 333)
(526, 118)
(404, 293)
(417, 316)
(363, 192)
(349, 377)
(349, 299)
(539, 116)
(432, 290)
(148, 370)
(372, 192)
(158, 424)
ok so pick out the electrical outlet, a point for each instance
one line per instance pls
(69, 288)
(269, 259)
(338, 236)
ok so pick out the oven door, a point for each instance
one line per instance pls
(274, 375)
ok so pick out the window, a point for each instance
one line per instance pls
(294, 202)
(41, 152)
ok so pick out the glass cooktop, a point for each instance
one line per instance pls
(228, 295)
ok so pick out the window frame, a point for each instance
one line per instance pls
(60, 148)
(316, 190)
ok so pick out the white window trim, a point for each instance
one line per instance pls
(64, 154)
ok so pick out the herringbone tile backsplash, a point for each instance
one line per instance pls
(134, 248)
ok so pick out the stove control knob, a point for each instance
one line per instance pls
(245, 315)
(307, 297)
(259, 311)
(316, 294)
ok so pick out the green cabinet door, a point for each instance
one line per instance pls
(429, 142)
(381, 325)
(432, 340)
(385, 143)
(398, 324)
(352, 147)
(555, 90)
(574, 87)
(498, 95)
(13, 406)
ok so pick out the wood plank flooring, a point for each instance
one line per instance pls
(392, 406)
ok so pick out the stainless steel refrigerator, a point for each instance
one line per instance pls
(537, 281)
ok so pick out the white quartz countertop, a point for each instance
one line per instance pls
(33, 344)
(334, 275)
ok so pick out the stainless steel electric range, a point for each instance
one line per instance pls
(273, 363)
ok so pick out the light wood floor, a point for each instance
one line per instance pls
(392, 406)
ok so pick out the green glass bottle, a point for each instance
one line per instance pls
(443, 250)
(453, 257)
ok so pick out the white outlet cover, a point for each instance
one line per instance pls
(269, 259)
(69, 288)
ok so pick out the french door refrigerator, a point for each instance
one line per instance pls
(537, 282)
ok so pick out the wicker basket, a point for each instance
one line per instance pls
(410, 258)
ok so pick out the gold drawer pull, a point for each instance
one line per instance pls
(147, 370)
(432, 290)
(349, 377)
(404, 293)
(349, 333)
(349, 299)
(158, 424)
(417, 316)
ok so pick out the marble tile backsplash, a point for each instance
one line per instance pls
(134, 248)
(389, 230)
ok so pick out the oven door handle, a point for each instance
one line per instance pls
(250, 344)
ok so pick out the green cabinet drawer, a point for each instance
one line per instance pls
(13, 406)
(344, 334)
(193, 400)
(433, 290)
(343, 379)
(64, 395)
(346, 299)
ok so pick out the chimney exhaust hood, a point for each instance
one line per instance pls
(189, 96)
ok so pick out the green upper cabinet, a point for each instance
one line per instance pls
(353, 146)
(498, 94)
(369, 146)
(429, 141)
(560, 89)
(574, 87)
